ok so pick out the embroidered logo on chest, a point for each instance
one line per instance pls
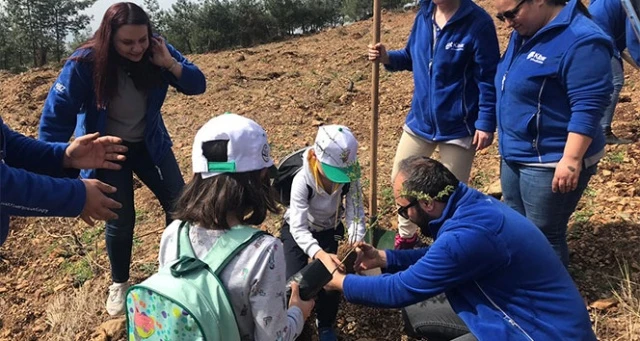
(536, 57)
(454, 46)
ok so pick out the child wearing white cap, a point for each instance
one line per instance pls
(312, 224)
(231, 187)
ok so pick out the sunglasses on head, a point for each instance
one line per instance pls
(403, 211)
(510, 14)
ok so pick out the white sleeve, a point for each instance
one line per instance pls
(272, 320)
(169, 244)
(298, 219)
(354, 214)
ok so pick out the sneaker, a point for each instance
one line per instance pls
(327, 334)
(405, 243)
(115, 301)
(611, 138)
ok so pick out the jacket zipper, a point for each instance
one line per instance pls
(159, 173)
(536, 140)
(434, 45)
(465, 110)
(509, 319)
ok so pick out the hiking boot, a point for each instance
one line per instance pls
(115, 301)
(405, 243)
(611, 138)
(327, 334)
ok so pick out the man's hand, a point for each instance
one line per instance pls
(336, 283)
(97, 205)
(369, 257)
(91, 151)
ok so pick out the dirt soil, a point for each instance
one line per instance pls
(54, 273)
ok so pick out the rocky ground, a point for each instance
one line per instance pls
(54, 272)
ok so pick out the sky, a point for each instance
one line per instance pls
(98, 9)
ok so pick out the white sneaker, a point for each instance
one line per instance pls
(115, 301)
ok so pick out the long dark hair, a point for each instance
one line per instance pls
(106, 59)
(208, 202)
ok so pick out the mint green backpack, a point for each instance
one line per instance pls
(185, 300)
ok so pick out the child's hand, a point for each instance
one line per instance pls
(295, 300)
(330, 261)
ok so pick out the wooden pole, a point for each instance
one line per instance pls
(375, 77)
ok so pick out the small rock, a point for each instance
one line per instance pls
(39, 328)
(351, 319)
(3, 290)
(110, 330)
(606, 172)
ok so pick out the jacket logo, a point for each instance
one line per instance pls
(454, 46)
(60, 88)
(536, 57)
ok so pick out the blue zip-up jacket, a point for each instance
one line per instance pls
(557, 82)
(496, 268)
(71, 104)
(612, 19)
(27, 187)
(453, 83)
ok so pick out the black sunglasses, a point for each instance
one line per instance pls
(403, 211)
(510, 14)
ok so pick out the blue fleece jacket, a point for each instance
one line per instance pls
(496, 268)
(612, 19)
(27, 187)
(453, 82)
(556, 82)
(71, 104)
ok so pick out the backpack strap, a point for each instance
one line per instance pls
(228, 245)
(184, 243)
(223, 250)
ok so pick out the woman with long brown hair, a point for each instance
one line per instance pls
(116, 84)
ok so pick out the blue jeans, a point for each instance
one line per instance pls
(164, 180)
(618, 82)
(528, 190)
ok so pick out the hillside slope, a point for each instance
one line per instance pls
(291, 87)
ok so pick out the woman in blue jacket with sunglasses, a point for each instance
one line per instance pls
(612, 19)
(554, 83)
(116, 84)
(452, 52)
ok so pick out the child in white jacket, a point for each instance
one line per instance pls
(312, 224)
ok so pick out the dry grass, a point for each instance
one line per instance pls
(622, 322)
(69, 314)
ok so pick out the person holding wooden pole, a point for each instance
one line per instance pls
(453, 52)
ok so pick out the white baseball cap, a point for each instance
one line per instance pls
(336, 148)
(247, 149)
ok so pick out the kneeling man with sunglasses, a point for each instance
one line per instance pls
(501, 278)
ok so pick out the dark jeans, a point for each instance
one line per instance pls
(527, 190)
(164, 180)
(435, 320)
(328, 301)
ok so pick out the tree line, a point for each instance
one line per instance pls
(36, 32)
(210, 25)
